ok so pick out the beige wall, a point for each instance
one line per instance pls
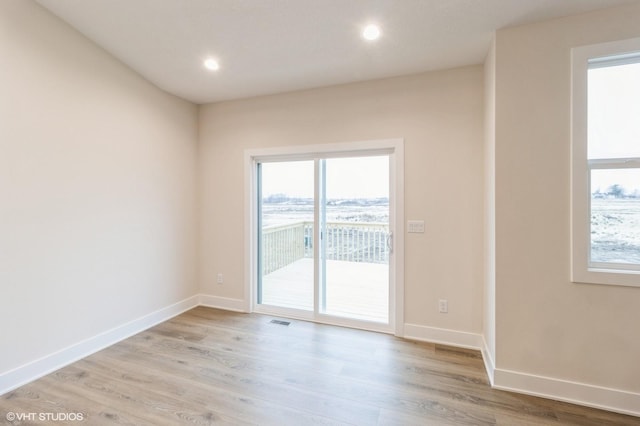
(97, 189)
(438, 114)
(546, 325)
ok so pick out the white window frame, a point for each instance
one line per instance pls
(582, 269)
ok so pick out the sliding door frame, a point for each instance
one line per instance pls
(394, 148)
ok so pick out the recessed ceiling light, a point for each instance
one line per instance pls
(371, 32)
(211, 64)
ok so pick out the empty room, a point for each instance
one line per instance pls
(340, 212)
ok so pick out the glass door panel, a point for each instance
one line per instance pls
(354, 224)
(285, 234)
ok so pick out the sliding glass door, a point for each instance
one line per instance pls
(324, 238)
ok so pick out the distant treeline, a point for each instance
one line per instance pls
(284, 199)
(616, 191)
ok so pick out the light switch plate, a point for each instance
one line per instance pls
(415, 226)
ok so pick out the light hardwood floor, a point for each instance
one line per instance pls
(208, 366)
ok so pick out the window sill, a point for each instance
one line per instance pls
(607, 276)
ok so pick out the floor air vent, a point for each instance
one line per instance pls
(280, 322)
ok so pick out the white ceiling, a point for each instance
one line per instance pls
(272, 46)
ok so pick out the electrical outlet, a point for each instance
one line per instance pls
(443, 306)
(220, 279)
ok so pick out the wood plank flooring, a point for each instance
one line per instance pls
(208, 366)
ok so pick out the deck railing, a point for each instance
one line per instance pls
(347, 241)
(283, 245)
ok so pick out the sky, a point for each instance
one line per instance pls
(614, 122)
(360, 177)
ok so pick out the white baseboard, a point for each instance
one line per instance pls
(461, 339)
(226, 303)
(563, 390)
(546, 387)
(489, 363)
(33, 370)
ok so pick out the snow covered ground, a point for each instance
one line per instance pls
(615, 230)
(283, 213)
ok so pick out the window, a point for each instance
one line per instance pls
(606, 163)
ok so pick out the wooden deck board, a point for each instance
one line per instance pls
(354, 290)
